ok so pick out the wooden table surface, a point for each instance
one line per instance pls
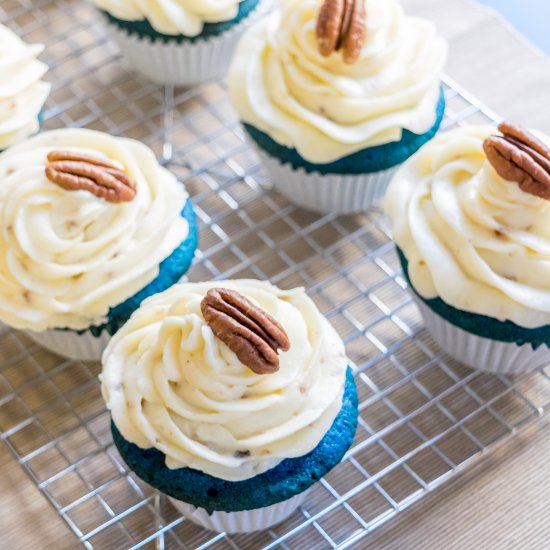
(501, 503)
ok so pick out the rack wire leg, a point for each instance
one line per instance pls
(159, 503)
(168, 124)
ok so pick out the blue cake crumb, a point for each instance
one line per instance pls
(289, 478)
(481, 325)
(366, 161)
(143, 28)
(170, 272)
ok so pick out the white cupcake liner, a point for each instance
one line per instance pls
(482, 353)
(326, 193)
(246, 521)
(188, 63)
(70, 344)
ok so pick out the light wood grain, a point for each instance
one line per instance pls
(500, 504)
(491, 60)
(26, 519)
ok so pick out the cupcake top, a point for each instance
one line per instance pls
(471, 214)
(173, 17)
(22, 93)
(199, 372)
(85, 220)
(328, 95)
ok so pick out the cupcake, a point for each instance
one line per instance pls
(471, 222)
(22, 92)
(231, 397)
(334, 95)
(90, 225)
(179, 42)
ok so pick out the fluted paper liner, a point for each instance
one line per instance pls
(326, 193)
(70, 344)
(246, 521)
(482, 353)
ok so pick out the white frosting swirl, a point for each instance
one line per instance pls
(473, 239)
(66, 257)
(185, 17)
(22, 93)
(171, 384)
(324, 108)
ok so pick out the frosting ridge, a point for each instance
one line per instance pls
(22, 92)
(173, 17)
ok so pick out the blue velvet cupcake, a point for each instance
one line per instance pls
(333, 115)
(250, 401)
(470, 219)
(92, 225)
(183, 43)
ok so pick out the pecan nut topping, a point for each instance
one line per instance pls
(341, 25)
(247, 330)
(520, 156)
(73, 171)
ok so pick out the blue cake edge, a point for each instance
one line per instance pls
(171, 270)
(143, 28)
(480, 325)
(366, 161)
(289, 478)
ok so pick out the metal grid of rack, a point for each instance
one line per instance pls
(423, 416)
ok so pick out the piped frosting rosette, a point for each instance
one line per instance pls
(471, 237)
(22, 92)
(185, 17)
(68, 256)
(324, 107)
(170, 383)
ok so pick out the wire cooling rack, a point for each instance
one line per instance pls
(423, 416)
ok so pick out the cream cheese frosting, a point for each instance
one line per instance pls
(173, 17)
(473, 239)
(67, 257)
(22, 92)
(171, 384)
(327, 109)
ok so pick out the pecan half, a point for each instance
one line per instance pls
(246, 329)
(341, 25)
(521, 157)
(73, 171)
